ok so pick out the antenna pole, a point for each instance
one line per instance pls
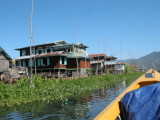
(31, 39)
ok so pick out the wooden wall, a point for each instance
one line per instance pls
(4, 63)
(84, 64)
(54, 63)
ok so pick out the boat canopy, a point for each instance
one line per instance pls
(142, 103)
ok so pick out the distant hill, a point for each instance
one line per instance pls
(149, 61)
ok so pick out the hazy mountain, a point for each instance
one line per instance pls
(149, 61)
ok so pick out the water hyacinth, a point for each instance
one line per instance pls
(56, 89)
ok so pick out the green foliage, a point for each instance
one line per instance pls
(129, 69)
(58, 89)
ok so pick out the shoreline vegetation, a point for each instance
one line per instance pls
(56, 89)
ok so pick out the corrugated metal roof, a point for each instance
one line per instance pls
(42, 55)
(102, 55)
(52, 43)
(134, 66)
(120, 63)
(23, 57)
(97, 55)
(57, 44)
(69, 45)
(51, 54)
(95, 62)
(111, 58)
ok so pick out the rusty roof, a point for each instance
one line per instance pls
(60, 42)
(96, 55)
(42, 55)
(120, 63)
(51, 54)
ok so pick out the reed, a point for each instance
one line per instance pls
(58, 89)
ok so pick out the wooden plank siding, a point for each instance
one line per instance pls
(54, 63)
(5, 60)
(84, 64)
(4, 63)
(36, 48)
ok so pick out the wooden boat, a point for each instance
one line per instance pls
(112, 111)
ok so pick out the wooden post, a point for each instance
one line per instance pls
(58, 73)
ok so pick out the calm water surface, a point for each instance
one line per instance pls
(84, 108)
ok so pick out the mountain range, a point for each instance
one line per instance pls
(149, 61)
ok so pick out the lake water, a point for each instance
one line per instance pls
(83, 108)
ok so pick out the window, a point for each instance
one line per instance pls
(48, 61)
(23, 63)
(40, 50)
(44, 62)
(63, 60)
(33, 51)
(23, 52)
(32, 63)
(48, 49)
(40, 62)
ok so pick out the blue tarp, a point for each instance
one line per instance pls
(141, 104)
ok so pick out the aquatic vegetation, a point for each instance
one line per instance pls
(130, 69)
(55, 89)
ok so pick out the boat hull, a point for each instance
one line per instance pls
(113, 110)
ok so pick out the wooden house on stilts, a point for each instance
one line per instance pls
(56, 59)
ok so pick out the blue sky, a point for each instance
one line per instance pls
(125, 28)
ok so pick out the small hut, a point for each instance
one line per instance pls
(5, 60)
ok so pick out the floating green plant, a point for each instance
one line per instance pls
(56, 89)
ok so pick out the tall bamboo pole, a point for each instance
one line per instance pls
(31, 39)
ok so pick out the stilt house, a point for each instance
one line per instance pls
(98, 63)
(58, 59)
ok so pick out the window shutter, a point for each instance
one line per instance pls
(39, 62)
(32, 62)
(60, 60)
(51, 49)
(48, 61)
(32, 53)
(65, 61)
(42, 51)
(23, 52)
(36, 51)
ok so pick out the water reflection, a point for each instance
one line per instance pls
(84, 108)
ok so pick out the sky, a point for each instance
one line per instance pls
(122, 28)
